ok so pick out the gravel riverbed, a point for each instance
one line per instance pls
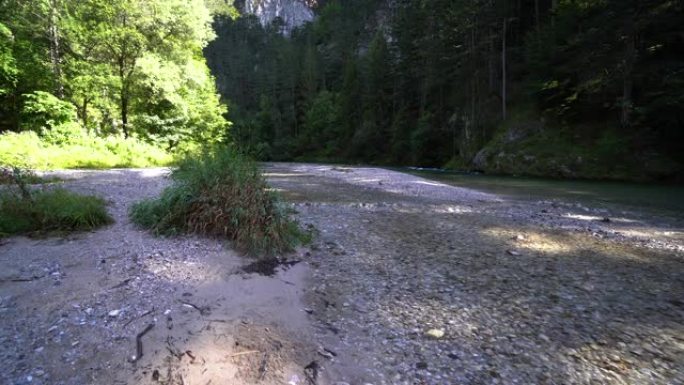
(407, 281)
(120, 306)
(417, 282)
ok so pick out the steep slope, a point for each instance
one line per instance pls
(292, 12)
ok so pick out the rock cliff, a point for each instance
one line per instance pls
(292, 12)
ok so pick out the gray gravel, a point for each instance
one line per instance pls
(408, 281)
(71, 308)
(417, 282)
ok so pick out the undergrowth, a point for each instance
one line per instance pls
(29, 150)
(24, 210)
(221, 193)
(8, 177)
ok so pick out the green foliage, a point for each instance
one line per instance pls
(43, 111)
(222, 194)
(63, 134)
(8, 68)
(321, 126)
(26, 211)
(423, 138)
(622, 71)
(124, 67)
(221, 8)
(27, 149)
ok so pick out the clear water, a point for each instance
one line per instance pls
(648, 197)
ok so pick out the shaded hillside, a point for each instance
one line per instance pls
(546, 87)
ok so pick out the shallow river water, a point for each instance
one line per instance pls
(655, 197)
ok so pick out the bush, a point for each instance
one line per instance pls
(64, 134)
(221, 193)
(43, 111)
(49, 210)
(27, 149)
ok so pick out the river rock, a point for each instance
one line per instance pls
(435, 333)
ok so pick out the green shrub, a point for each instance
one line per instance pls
(8, 65)
(221, 193)
(28, 150)
(50, 210)
(64, 134)
(43, 111)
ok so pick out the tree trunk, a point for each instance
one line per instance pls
(473, 58)
(123, 97)
(124, 83)
(55, 55)
(627, 70)
(293, 95)
(491, 61)
(15, 110)
(124, 113)
(454, 142)
(84, 112)
(470, 124)
(536, 15)
(503, 70)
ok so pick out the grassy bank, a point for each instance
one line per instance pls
(28, 150)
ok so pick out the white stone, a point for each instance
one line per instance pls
(435, 333)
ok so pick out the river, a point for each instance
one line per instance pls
(654, 198)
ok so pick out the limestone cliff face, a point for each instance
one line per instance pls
(293, 12)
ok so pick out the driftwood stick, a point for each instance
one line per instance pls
(244, 353)
(24, 279)
(263, 367)
(204, 310)
(138, 317)
(121, 284)
(138, 342)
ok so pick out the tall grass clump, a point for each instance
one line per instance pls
(24, 210)
(221, 193)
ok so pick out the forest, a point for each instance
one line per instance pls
(106, 83)
(561, 88)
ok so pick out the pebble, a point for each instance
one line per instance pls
(326, 354)
(435, 333)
